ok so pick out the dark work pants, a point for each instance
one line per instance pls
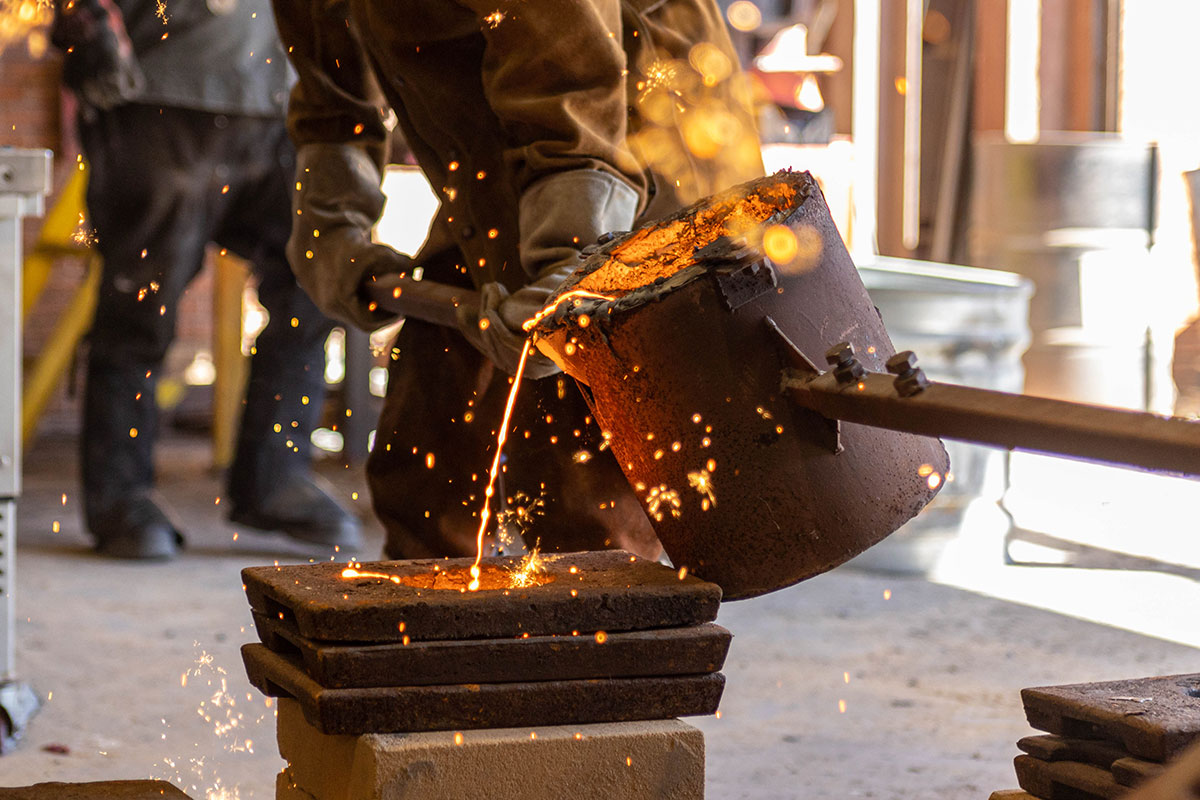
(436, 440)
(163, 184)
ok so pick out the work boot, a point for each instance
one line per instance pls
(135, 527)
(303, 510)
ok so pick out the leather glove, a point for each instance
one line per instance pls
(330, 248)
(98, 62)
(558, 216)
(491, 335)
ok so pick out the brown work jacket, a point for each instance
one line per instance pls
(491, 96)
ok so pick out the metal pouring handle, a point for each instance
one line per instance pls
(428, 301)
(907, 401)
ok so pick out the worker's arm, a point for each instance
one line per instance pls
(554, 74)
(335, 118)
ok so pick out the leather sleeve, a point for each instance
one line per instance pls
(554, 74)
(336, 99)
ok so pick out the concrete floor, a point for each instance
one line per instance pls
(854, 684)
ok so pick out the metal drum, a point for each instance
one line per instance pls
(969, 326)
(1074, 213)
(681, 363)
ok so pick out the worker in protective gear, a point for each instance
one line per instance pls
(181, 117)
(541, 125)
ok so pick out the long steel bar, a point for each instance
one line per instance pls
(1020, 422)
(424, 300)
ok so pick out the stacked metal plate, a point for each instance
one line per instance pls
(1103, 739)
(407, 646)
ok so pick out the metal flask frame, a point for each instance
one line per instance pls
(743, 487)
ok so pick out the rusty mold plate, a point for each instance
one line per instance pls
(666, 651)
(1132, 771)
(108, 790)
(480, 705)
(1096, 752)
(608, 591)
(1152, 718)
(1066, 780)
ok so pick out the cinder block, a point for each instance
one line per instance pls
(658, 759)
(286, 788)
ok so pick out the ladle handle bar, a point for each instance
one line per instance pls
(428, 301)
(999, 419)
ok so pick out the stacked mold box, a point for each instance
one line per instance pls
(1104, 739)
(396, 680)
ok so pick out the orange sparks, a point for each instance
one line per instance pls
(701, 481)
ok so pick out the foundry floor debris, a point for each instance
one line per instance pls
(928, 676)
(1104, 738)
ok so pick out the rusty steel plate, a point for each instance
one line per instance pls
(1151, 718)
(96, 790)
(1127, 770)
(1132, 771)
(1096, 752)
(411, 709)
(1066, 780)
(426, 599)
(666, 651)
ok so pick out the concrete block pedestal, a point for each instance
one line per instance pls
(659, 759)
